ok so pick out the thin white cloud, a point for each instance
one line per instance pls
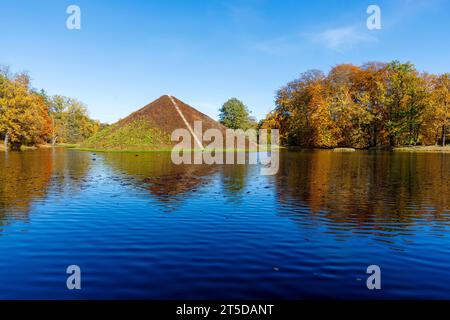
(343, 37)
(279, 46)
(337, 39)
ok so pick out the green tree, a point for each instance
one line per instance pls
(406, 99)
(71, 122)
(235, 115)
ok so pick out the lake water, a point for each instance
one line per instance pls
(140, 227)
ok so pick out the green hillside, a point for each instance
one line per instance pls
(135, 135)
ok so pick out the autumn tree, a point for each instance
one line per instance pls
(301, 106)
(28, 117)
(24, 116)
(370, 92)
(441, 100)
(374, 105)
(348, 102)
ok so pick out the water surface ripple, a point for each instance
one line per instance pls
(140, 227)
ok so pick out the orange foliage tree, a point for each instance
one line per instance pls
(377, 104)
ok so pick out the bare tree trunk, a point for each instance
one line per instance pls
(53, 132)
(6, 141)
(444, 127)
(443, 135)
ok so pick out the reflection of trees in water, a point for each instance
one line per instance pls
(364, 189)
(382, 191)
(235, 179)
(27, 176)
(23, 177)
(70, 170)
(156, 172)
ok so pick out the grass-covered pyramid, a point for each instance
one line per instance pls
(150, 128)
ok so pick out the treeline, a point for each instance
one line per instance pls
(377, 104)
(31, 117)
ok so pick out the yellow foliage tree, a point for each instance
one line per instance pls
(24, 116)
(441, 100)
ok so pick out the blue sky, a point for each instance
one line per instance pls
(129, 53)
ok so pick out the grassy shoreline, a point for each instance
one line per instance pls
(118, 150)
(160, 150)
(435, 149)
(429, 149)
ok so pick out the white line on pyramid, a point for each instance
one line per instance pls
(186, 123)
